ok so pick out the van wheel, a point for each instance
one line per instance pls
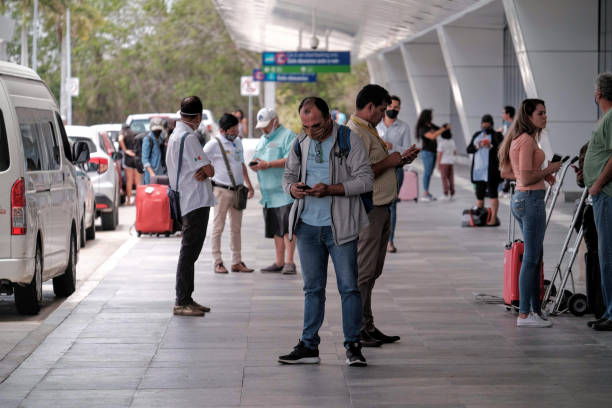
(29, 297)
(83, 239)
(110, 219)
(90, 233)
(64, 285)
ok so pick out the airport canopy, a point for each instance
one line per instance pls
(360, 26)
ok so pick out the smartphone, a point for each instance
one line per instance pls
(304, 187)
(556, 158)
(253, 163)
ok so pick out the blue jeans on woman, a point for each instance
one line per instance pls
(315, 245)
(602, 210)
(429, 162)
(529, 209)
(393, 207)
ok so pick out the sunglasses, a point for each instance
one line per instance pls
(318, 152)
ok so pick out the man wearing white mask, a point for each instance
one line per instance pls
(269, 163)
(227, 156)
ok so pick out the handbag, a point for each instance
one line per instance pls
(173, 195)
(241, 193)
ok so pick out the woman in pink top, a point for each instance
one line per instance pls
(521, 158)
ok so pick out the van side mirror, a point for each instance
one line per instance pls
(117, 156)
(80, 153)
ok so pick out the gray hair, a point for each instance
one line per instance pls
(604, 85)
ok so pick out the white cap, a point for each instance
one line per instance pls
(264, 117)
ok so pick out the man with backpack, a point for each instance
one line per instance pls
(326, 172)
(372, 103)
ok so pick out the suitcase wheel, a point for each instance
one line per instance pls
(578, 304)
(167, 234)
(565, 297)
(138, 234)
(416, 199)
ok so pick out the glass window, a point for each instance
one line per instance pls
(90, 143)
(52, 147)
(5, 159)
(140, 125)
(33, 146)
(62, 133)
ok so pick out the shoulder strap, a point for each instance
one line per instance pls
(344, 140)
(229, 169)
(297, 147)
(180, 163)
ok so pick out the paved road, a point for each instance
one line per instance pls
(15, 328)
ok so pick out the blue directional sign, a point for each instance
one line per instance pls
(307, 58)
(259, 75)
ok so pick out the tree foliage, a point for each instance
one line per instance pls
(137, 56)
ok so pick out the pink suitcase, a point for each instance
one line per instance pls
(410, 186)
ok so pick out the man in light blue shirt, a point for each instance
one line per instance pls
(151, 151)
(269, 163)
(396, 134)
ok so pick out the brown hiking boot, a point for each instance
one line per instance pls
(220, 268)
(241, 267)
(188, 310)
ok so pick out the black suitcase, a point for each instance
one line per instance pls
(593, 284)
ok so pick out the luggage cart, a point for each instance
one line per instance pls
(566, 300)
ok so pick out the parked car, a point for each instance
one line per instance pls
(109, 147)
(102, 171)
(112, 130)
(39, 213)
(87, 206)
(140, 122)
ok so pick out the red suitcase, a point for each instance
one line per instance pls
(153, 210)
(513, 259)
(410, 187)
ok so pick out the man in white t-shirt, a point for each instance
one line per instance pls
(224, 188)
(196, 198)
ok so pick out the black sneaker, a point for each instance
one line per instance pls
(354, 357)
(383, 338)
(368, 341)
(301, 355)
(603, 326)
(591, 323)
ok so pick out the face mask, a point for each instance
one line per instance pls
(392, 113)
(231, 137)
(272, 130)
(321, 132)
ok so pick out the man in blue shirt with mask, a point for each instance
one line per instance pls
(151, 150)
(269, 163)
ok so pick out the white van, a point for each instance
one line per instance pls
(38, 191)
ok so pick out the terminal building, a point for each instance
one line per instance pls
(462, 58)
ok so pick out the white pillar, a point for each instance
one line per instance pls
(427, 77)
(398, 84)
(377, 71)
(270, 95)
(474, 61)
(556, 46)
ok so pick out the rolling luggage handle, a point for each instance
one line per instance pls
(558, 273)
(512, 221)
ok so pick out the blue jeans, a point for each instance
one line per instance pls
(393, 207)
(315, 245)
(529, 209)
(429, 161)
(602, 210)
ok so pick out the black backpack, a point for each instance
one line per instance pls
(138, 150)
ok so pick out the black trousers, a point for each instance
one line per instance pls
(194, 232)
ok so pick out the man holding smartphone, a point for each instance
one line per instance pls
(371, 105)
(269, 163)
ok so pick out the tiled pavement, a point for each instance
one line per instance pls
(120, 346)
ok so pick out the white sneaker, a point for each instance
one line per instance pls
(532, 320)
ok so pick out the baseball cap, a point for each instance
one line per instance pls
(156, 124)
(264, 117)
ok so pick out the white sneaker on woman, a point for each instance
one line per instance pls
(532, 320)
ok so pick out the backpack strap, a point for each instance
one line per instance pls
(344, 140)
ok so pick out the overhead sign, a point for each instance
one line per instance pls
(259, 75)
(74, 86)
(305, 69)
(307, 58)
(248, 87)
(306, 62)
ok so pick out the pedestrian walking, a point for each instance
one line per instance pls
(521, 158)
(269, 163)
(371, 105)
(326, 172)
(152, 150)
(227, 156)
(396, 135)
(447, 149)
(196, 198)
(597, 176)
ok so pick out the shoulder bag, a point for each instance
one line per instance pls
(173, 195)
(241, 193)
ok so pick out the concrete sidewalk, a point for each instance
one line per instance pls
(120, 345)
